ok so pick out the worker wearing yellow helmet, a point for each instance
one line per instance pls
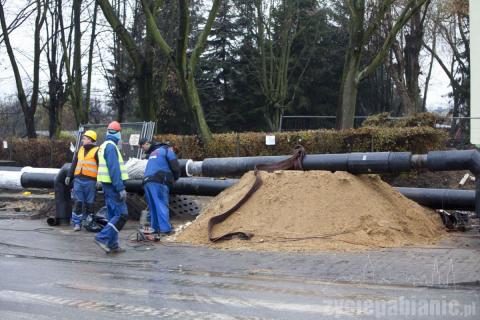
(84, 169)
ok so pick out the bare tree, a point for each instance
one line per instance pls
(182, 63)
(454, 26)
(28, 108)
(275, 37)
(20, 18)
(366, 16)
(56, 57)
(405, 70)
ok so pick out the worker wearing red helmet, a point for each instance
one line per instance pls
(112, 174)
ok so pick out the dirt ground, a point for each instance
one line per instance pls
(429, 179)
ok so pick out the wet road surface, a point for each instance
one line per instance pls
(54, 273)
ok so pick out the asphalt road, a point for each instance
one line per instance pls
(54, 273)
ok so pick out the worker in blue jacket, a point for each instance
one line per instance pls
(161, 172)
(112, 174)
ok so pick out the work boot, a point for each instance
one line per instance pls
(103, 246)
(76, 227)
(117, 250)
(153, 237)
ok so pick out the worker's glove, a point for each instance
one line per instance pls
(67, 181)
(123, 195)
(98, 185)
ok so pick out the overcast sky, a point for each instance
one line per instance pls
(22, 42)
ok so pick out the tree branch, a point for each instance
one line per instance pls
(408, 11)
(122, 33)
(13, 61)
(443, 66)
(200, 45)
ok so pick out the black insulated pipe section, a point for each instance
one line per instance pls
(189, 186)
(379, 162)
(183, 164)
(235, 166)
(441, 198)
(203, 186)
(63, 203)
(38, 180)
(458, 160)
(454, 160)
(368, 162)
(433, 198)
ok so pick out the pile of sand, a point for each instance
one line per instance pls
(317, 210)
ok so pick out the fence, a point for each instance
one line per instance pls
(132, 132)
(298, 123)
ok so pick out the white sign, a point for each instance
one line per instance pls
(72, 147)
(5, 144)
(270, 140)
(134, 138)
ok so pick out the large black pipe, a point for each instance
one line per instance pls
(432, 198)
(63, 203)
(441, 198)
(38, 180)
(360, 162)
(366, 162)
(458, 160)
(183, 164)
(189, 186)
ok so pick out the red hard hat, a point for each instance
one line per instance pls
(114, 125)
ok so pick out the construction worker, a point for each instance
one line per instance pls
(161, 172)
(112, 174)
(84, 170)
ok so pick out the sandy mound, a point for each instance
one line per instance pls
(317, 210)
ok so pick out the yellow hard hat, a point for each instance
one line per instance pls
(91, 134)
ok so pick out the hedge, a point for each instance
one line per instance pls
(45, 153)
(365, 139)
(40, 152)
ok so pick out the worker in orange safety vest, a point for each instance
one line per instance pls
(84, 170)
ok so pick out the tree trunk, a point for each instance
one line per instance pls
(359, 34)
(30, 124)
(413, 45)
(28, 110)
(77, 103)
(348, 93)
(349, 86)
(429, 73)
(90, 60)
(193, 100)
(144, 83)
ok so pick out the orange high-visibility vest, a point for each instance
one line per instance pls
(87, 165)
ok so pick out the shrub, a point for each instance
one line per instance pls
(46, 153)
(424, 119)
(366, 139)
